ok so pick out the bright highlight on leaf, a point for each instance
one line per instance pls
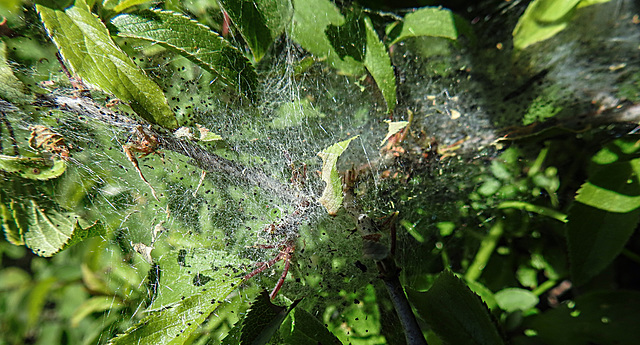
(428, 21)
(394, 127)
(192, 40)
(332, 196)
(87, 47)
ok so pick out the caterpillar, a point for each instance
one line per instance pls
(48, 140)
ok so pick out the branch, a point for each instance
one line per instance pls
(389, 271)
(200, 157)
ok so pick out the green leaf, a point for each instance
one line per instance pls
(394, 127)
(543, 19)
(350, 38)
(294, 114)
(95, 304)
(11, 88)
(89, 51)
(484, 292)
(332, 196)
(33, 168)
(123, 5)
(606, 210)
(455, 313)
(529, 30)
(310, 21)
(14, 229)
(186, 273)
(585, 3)
(613, 188)
(37, 299)
(512, 299)
(595, 238)
(428, 21)
(553, 10)
(260, 22)
(50, 231)
(603, 317)
(192, 40)
(303, 328)
(620, 150)
(175, 324)
(12, 278)
(12, 233)
(378, 63)
(261, 323)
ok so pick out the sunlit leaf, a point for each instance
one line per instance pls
(310, 20)
(50, 231)
(332, 196)
(192, 40)
(123, 5)
(553, 10)
(544, 18)
(512, 299)
(87, 47)
(455, 313)
(530, 29)
(378, 63)
(610, 191)
(175, 324)
(584, 3)
(394, 127)
(185, 273)
(33, 168)
(260, 22)
(428, 21)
